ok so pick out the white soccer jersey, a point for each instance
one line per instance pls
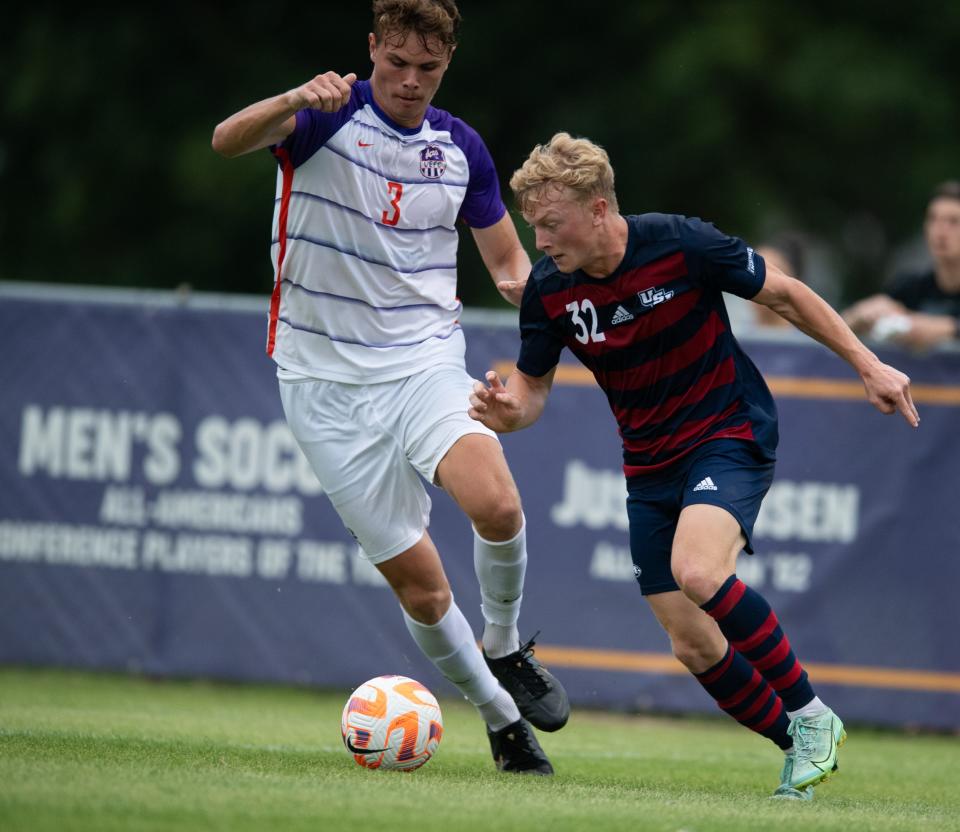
(365, 240)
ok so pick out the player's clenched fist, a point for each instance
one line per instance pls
(327, 93)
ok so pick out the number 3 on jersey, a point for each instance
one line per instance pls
(583, 334)
(396, 190)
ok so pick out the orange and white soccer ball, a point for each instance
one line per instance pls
(391, 722)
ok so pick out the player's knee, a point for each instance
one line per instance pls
(698, 583)
(499, 517)
(426, 604)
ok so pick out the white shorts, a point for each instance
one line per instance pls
(369, 446)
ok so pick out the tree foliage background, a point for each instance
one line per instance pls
(836, 118)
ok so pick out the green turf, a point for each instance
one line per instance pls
(101, 753)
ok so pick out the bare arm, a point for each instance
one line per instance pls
(510, 408)
(270, 121)
(887, 388)
(882, 318)
(504, 257)
(927, 331)
(863, 316)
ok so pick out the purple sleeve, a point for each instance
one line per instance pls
(482, 206)
(314, 128)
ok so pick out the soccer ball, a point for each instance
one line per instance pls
(391, 722)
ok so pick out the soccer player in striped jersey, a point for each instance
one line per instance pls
(638, 300)
(364, 327)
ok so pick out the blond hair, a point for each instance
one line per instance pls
(564, 161)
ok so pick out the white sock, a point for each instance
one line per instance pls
(812, 708)
(500, 568)
(500, 711)
(450, 645)
(499, 641)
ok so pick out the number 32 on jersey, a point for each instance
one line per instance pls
(579, 310)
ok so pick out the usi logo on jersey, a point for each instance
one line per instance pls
(432, 162)
(651, 297)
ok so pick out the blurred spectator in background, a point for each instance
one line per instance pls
(786, 252)
(921, 309)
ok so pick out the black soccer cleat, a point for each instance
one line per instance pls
(537, 692)
(516, 750)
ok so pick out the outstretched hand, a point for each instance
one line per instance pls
(327, 93)
(889, 391)
(493, 406)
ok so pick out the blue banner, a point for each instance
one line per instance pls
(157, 517)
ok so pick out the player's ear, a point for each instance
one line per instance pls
(372, 43)
(600, 206)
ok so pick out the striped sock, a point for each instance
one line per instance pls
(747, 697)
(752, 628)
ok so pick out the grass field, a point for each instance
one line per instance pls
(100, 753)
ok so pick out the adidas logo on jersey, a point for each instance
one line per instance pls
(705, 484)
(620, 316)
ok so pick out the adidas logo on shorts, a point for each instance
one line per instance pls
(705, 484)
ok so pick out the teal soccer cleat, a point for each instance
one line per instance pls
(787, 792)
(815, 743)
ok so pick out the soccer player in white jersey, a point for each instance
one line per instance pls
(364, 327)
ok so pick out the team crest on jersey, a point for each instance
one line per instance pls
(651, 297)
(432, 162)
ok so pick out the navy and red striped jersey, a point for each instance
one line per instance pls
(656, 336)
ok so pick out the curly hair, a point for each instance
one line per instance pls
(564, 161)
(433, 21)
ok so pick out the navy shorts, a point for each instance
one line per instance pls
(729, 473)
